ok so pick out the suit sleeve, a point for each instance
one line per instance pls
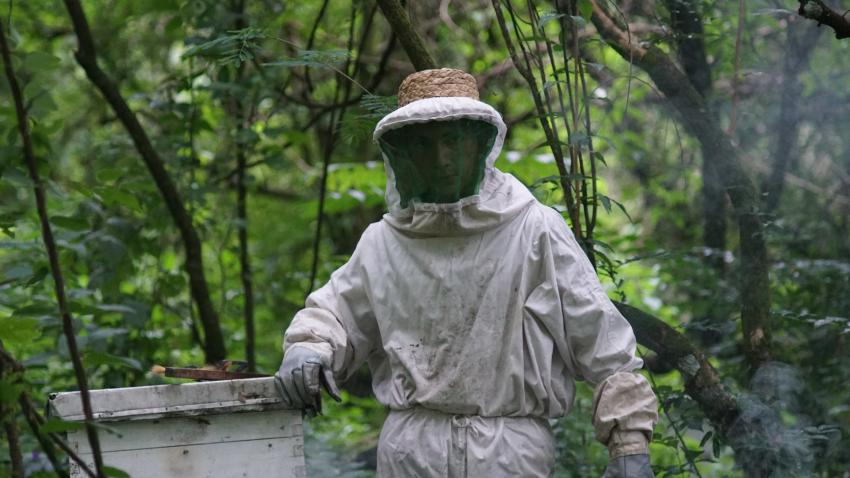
(338, 320)
(600, 348)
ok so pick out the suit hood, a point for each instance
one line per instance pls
(500, 196)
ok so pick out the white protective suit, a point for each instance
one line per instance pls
(475, 318)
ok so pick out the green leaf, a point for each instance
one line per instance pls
(579, 21)
(57, 425)
(705, 439)
(379, 106)
(116, 472)
(35, 310)
(37, 276)
(117, 308)
(102, 358)
(314, 58)
(115, 196)
(606, 203)
(19, 330)
(40, 61)
(548, 17)
(598, 156)
(236, 46)
(70, 223)
(109, 174)
(10, 389)
(18, 272)
(585, 9)
(41, 106)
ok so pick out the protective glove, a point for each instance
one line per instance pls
(629, 466)
(300, 379)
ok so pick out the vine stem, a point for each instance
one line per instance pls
(670, 419)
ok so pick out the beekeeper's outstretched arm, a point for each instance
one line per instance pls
(330, 337)
(600, 348)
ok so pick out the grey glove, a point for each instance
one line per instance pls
(300, 379)
(629, 466)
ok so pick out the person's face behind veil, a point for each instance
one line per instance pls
(438, 161)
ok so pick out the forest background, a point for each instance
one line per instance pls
(201, 165)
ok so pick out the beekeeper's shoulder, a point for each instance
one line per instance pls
(546, 219)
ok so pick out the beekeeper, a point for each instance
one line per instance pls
(474, 307)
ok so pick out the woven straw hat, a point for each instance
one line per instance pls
(433, 83)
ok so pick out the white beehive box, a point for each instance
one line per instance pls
(232, 428)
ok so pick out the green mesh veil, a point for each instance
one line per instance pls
(438, 161)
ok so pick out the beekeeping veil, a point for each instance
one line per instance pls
(439, 147)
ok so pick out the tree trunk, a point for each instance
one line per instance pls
(743, 193)
(409, 38)
(799, 44)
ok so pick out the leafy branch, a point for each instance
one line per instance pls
(86, 56)
(52, 253)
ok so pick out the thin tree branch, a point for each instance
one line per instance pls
(87, 58)
(238, 110)
(702, 382)
(30, 410)
(46, 445)
(410, 39)
(9, 363)
(35, 420)
(555, 145)
(52, 253)
(10, 426)
(818, 11)
(343, 89)
(17, 460)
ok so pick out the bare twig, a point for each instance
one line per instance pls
(52, 253)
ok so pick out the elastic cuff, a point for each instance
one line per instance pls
(627, 443)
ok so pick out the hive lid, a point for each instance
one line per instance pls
(156, 401)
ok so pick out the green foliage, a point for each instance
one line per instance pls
(189, 71)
